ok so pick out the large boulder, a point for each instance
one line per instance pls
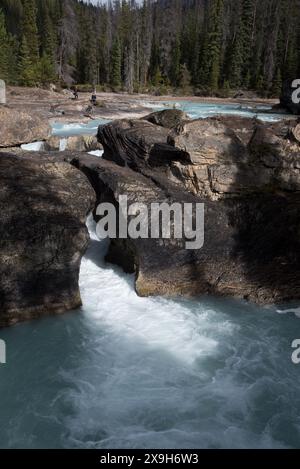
(251, 248)
(18, 127)
(43, 236)
(215, 157)
(209, 141)
(168, 118)
(131, 142)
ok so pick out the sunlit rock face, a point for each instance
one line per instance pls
(18, 127)
(167, 118)
(43, 236)
(246, 173)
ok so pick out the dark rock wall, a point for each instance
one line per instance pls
(43, 209)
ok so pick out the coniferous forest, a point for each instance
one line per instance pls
(202, 46)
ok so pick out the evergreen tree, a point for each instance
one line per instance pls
(29, 29)
(248, 16)
(91, 56)
(154, 68)
(240, 53)
(236, 64)
(175, 66)
(247, 43)
(4, 49)
(214, 48)
(210, 63)
(184, 78)
(27, 72)
(277, 84)
(44, 71)
(116, 63)
(68, 41)
(291, 59)
(13, 48)
(47, 34)
(226, 89)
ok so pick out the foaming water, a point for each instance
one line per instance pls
(77, 128)
(132, 372)
(98, 153)
(63, 144)
(35, 146)
(196, 110)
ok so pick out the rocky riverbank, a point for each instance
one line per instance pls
(245, 172)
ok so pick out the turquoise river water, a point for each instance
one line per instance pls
(130, 372)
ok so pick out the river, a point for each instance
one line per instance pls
(130, 372)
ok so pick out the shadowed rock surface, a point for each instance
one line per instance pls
(43, 236)
(18, 127)
(131, 142)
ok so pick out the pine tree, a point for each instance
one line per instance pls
(46, 65)
(260, 85)
(184, 78)
(91, 56)
(245, 42)
(277, 84)
(240, 52)
(154, 68)
(116, 63)
(29, 29)
(68, 41)
(210, 63)
(226, 89)
(44, 71)
(236, 63)
(47, 34)
(4, 49)
(248, 16)
(27, 72)
(215, 44)
(13, 47)
(175, 66)
(190, 41)
(291, 61)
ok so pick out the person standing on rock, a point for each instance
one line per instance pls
(94, 98)
(75, 92)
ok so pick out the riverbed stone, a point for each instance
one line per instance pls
(18, 127)
(168, 118)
